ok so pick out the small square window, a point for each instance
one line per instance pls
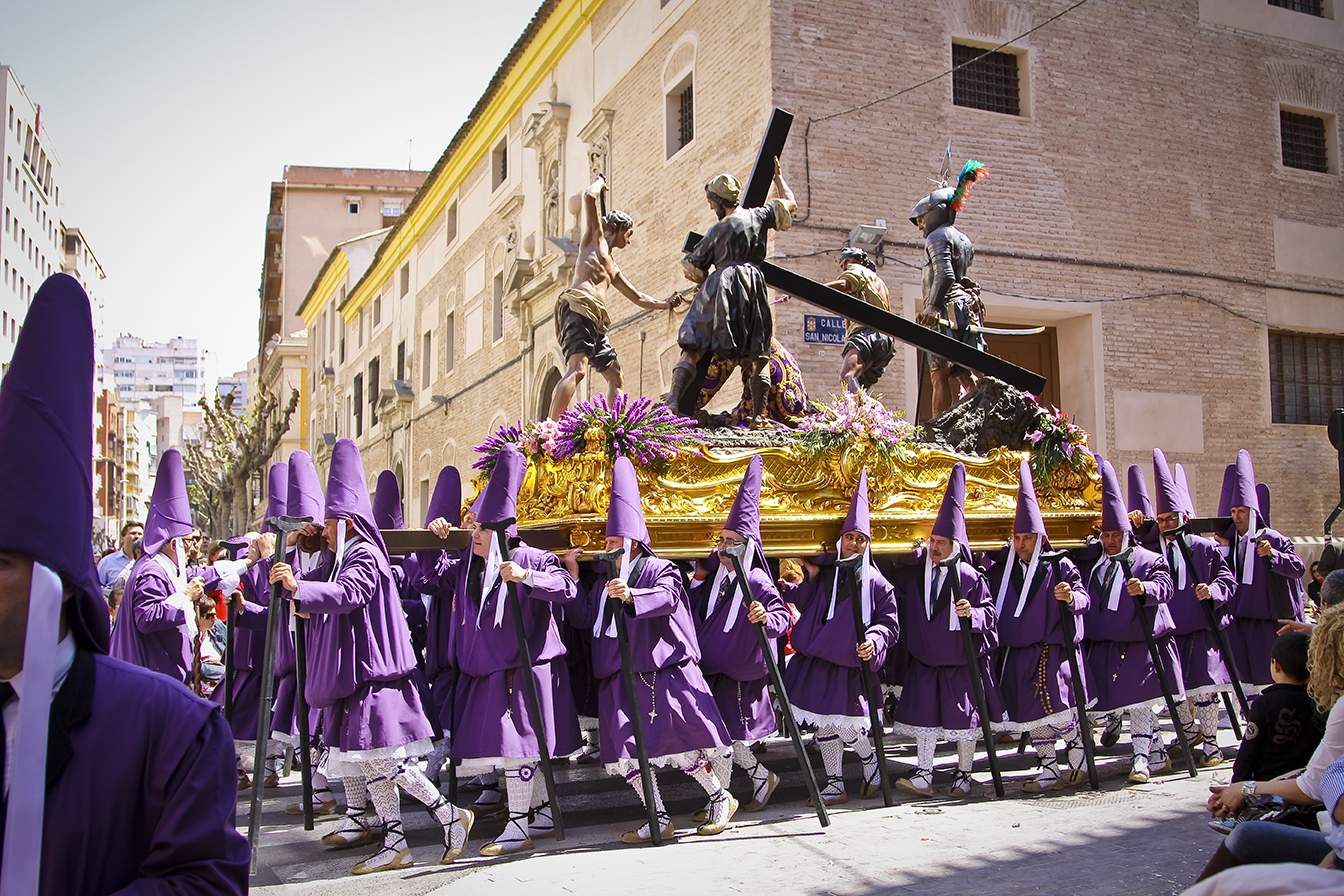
(377, 311)
(499, 164)
(352, 206)
(401, 360)
(449, 336)
(1310, 7)
(1306, 377)
(985, 80)
(497, 310)
(405, 278)
(426, 359)
(1304, 141)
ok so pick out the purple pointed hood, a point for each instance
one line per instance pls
(1137, 492)
(1028, 518)
(951, 521)
(858, 518)
(745, 516)
(1114, 517)
(46, 450)
(498, 501)
(446, 501)
(303, 497)
(1183, 489)
(1168, 491)
(387, 512)
(1243, 484)
(1225, 496)
(347, 495)
(169, 514)
(277, 490)
(1262, 495)
(625, 511)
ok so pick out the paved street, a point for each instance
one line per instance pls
(1136, 841)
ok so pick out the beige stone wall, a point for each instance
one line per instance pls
(1148, 161)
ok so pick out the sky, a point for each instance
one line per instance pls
(171, 119)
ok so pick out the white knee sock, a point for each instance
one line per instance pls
(832, 756)
(518, 787)
(383, 793)
(926, 745)
(633, 778)
(1142, 723)
(702, 772)
(723, 769)
(759, 774)
(965, 755)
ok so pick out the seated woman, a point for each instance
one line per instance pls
(1256, 842)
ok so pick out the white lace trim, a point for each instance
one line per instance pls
(486, 764)
(892, 690)
(1057, 719)
(947, 734)
(671, 760)
(346, 763)
(807, 717)
(1206, 690)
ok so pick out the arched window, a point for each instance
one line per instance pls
(549, 381)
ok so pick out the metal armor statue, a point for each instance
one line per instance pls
(952, 303)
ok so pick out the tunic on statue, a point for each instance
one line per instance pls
(1274, 592)
(153, 630)
(492, 725)
(937, 693)
(141, 788)
(822, 677)
(730, 651)
(1120, 672)
(1204, 669)
(730, 316)
(1034, 677)
(678, 710)
(362, 662)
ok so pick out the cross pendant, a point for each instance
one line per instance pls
(653, 714)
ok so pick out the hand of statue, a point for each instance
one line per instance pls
(621, 591)
(779, 170)
(598, 186)
(439, 527)
(195, 589)
(756, 613)
(1064, 593)
(512, 572)
(1264, 549)
(283, 574)
(963, 608)
(1134, 587)
(1202, 592)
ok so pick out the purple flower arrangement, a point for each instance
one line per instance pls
(1056, 440)
(644, 430)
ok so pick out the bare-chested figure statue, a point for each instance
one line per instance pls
(581, 318)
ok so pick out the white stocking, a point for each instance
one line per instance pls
(633, 778)
(832, 755)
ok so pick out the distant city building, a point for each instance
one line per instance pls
(177, 424)
(30, 245)
(140, 439)
(109, 454)
(234, 384)
(141, 370)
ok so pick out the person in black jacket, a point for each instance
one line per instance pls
(1283, 727)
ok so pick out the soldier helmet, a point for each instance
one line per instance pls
(617, 221)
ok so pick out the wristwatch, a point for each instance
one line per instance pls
(1248, 790)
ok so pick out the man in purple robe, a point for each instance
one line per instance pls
(493, 730)
(117, 780)
(938, 702)
(361, 675)
(1268, 573)
(1204, 669)
(681, 722)
(163, 609)
(1034, 678)
(1120, 673)
(823, 677)
(730, 650)
(434, 584)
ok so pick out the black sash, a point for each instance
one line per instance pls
(609, 606)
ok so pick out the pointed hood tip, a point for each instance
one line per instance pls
(446, 501)
(744, 517)
(303, 493)
(1114, 516)
(277, 490)
(1137, 492)
(1169, 498)
(1028, 517)
(347, 495)
(498, 501)
(169, 514)
(46, 456)
(625, 510)
(387, 509)
(859, 517)
(951, 520)
(1243, 492)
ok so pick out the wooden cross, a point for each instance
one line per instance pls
(836, 302)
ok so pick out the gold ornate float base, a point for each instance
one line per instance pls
(804, 496)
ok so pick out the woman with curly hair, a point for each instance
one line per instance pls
(1256, 842)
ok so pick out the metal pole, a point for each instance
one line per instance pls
(1070, 626)
(977, 684)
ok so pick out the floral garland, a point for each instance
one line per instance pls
(644, 430)
(1057, 440)
(534, 438)
(850, 417)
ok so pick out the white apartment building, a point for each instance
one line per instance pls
(140, 370)
(30, 245)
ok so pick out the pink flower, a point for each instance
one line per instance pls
(1036, 437)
